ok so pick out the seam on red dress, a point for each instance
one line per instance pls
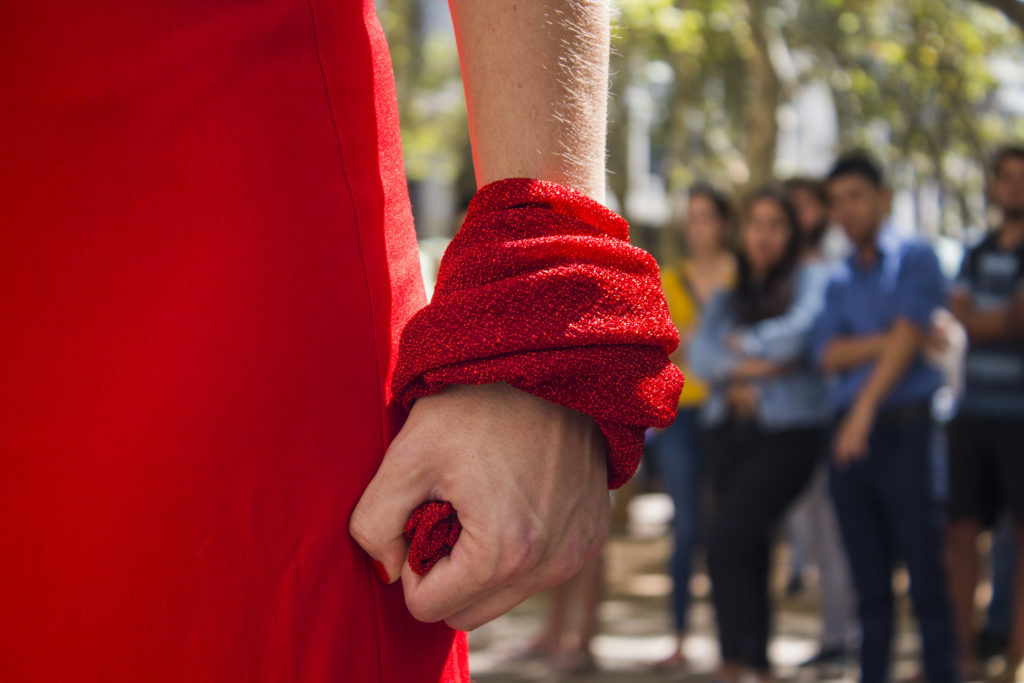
(369, 295)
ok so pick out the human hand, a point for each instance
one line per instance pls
(742, 398)
(851, 438)
(946, 338)
(528, 479)
(938, 339)
(756, 368)
(734, 343)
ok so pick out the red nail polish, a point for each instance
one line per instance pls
(381, 572)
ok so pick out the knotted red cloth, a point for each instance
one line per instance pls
(542, 290)
(431, 533)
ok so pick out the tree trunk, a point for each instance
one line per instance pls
(763, 103)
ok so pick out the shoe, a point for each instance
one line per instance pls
(991, 644)
(674, 662)
(575, 663)
(826, 656)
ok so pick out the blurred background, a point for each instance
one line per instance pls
(735, 93)
(738, 91)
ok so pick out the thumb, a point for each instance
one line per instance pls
(379, 518)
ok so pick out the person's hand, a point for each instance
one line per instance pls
(742, 398)
(528, 479)
(946, 341)
(756, 368)
(938, 340)
(734, 343)
(851, 439)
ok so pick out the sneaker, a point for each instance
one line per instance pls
(826, 656)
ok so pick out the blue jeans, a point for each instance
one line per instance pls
(681, 463)
(888, 509)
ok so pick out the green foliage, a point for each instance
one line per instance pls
(432, 107)
(911, 80)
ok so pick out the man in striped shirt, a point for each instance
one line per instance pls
(985, 439)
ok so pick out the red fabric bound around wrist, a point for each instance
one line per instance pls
(542, 290)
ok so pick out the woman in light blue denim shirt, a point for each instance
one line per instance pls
(766, 418)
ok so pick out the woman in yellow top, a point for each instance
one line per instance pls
(708, 266)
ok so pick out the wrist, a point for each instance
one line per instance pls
(865, 406)
(879, 342)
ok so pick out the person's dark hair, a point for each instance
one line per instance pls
(759, 300)
(1004, 154)
(718, 199)
(803, 183)
(816, 189)
(857, 163)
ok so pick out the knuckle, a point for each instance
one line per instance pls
(565, 566)
(360, 527)
(524, 550)
(596, 544)
(462, 623)
(600, 534)
(420, 610)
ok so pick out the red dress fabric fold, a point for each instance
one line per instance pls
(542, 290)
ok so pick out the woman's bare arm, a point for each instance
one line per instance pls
(536, 79)
(527, 477)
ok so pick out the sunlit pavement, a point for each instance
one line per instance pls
(635, 626)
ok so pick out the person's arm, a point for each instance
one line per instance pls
(536, 80)
(709, 357)
(747, 369)
(981, 326)
(919, 293)
(784, 338)
(832, 349)
(527, 477)
(847, 352)
(1016, 316)
(903, 343)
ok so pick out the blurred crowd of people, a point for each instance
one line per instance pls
(813, 368)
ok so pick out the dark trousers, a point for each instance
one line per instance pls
(888, 509)
(755, 475)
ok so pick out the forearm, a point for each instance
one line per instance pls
(755, 368)
(1015, 319)
(902, 345)
(845, 353)
(536, 79)
(785, 339)
(984, 326)
(981, 326)
(708, 355)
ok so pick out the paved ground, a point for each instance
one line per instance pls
(635, 627)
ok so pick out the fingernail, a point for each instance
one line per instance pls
(381, 572)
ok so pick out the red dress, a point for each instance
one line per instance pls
(206, 255)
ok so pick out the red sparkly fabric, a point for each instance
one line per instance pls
(431, 533)
(541, 289)
(207, 256)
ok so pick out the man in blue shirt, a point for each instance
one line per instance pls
(870, 338)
